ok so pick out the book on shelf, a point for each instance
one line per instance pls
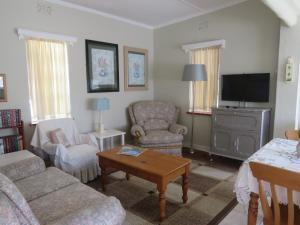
(1, 147)
(10, 144)
(131, 151)
(10, 118)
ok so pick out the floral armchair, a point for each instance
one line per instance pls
(154, 125)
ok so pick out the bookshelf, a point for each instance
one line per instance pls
(12, 136)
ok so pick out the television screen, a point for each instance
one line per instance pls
(246, 87)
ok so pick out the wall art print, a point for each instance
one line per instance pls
(136, 68)
(3, 88)
(102, 66)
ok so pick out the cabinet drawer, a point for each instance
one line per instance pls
(237, 121)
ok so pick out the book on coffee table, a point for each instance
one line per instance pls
(131, 151)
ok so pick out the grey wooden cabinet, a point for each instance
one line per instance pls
(239, 132)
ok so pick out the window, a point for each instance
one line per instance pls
(206, 93)
(48, 77)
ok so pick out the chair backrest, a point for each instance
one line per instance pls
(279, 177)
(292, 135)
(43, 128)
(153, 115)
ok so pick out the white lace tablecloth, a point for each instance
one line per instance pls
(279, 153)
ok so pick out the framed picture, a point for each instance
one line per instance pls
(136, 69)
(102, 66)
(3, 88)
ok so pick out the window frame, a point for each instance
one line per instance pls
(188, 49)
(37, 118)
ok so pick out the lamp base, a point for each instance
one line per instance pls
(100, 128)
(192, 151)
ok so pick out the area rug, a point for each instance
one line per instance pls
(210, 195)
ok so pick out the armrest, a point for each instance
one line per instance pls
(178, 129)
(18, 165)
(137, 131)
(59, 151)
(51, 149)
(88, 139)
(107, 211)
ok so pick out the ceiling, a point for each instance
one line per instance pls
(149, 13)
(288, 10)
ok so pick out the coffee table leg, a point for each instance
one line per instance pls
(103, 178)
(127, 176)
(162, 202)
(185, 185)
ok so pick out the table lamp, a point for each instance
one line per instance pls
(194, 72)
(101, 105)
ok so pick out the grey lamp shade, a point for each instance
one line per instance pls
(194, 72)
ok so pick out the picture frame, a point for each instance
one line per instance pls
(135, 69)
(3, 88)
(102, 66)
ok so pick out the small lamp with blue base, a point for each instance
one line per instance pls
(101, 104)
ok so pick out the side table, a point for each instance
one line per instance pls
(109, 134)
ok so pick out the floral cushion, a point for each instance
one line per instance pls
(161, 137)
(58, 136)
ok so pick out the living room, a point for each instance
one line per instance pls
(251, 37)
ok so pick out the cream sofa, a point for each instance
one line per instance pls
(31, 194)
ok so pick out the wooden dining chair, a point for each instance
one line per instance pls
(277, 214)
(292, 135)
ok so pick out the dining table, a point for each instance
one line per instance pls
(281, 153)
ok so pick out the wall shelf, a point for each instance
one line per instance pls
(10, 119)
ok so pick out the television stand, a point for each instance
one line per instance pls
(239, 132)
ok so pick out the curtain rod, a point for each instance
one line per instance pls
(205, 44)
(24, 33)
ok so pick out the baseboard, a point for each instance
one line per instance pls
(197, 147)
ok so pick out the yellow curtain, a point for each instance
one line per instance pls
(48, 75)
(206, 94)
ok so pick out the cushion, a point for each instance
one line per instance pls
(58, 136)
(82, 152)
(161, 137)
(44, 183)
(78, 204)
(21, 164)
(146, 110)
(156, 124)
(17, 202)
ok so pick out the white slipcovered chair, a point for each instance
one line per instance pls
(79, 159)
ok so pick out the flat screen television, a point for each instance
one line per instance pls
(246, 87)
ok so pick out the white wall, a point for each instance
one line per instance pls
(287, 111)
(24, 14)
(251, 32)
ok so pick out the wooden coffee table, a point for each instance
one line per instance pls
(153, 166)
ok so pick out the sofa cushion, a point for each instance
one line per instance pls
(77, 204)
(52, 179)
(160, 137)
(79, 151)
(18, 207)
(21, 164)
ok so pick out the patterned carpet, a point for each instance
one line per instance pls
(210, 194)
